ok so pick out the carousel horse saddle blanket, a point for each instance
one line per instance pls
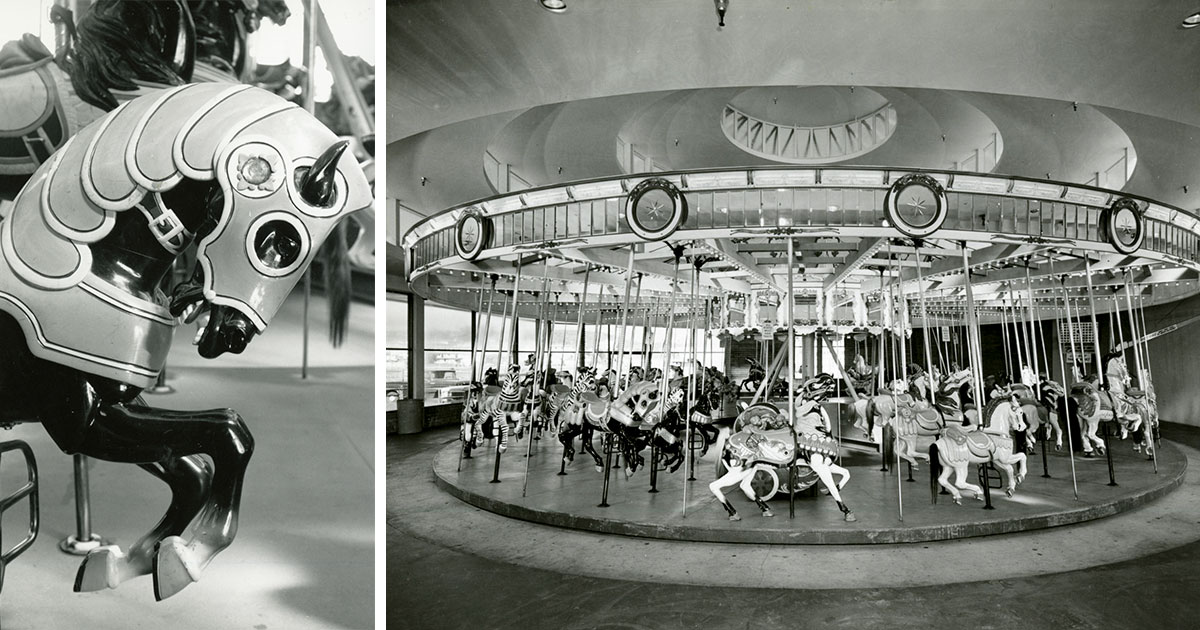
(978, 443)
(33, 122)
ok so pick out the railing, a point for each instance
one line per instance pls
(832, 197)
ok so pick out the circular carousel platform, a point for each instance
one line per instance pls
(572, 500)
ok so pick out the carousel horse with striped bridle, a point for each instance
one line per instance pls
(506, 402)
(571, 420)
(990, 441)
(255, 184)
(764, 444)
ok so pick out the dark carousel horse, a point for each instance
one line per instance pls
(256, 184)
(571, 418)
(123, 49)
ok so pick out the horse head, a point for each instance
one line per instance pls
(284, 183)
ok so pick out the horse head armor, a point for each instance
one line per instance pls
(264, 182)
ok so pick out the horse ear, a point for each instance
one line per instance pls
(318, 184)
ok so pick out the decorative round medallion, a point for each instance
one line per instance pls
(256, 170)
(916, 205)
(655, 209)
(1123, 225)
(472, 233)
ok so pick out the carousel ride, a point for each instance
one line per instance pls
(944, 317)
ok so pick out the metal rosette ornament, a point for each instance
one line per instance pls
(1123, 225)
(472, 233)
(655, 209)
(916, 205)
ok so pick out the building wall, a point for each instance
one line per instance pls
(1175, 361)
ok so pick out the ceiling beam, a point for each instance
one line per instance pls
(866, 250)
(728, 252)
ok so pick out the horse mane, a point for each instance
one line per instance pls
(107, 56)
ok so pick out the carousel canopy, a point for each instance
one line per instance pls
(578, 148)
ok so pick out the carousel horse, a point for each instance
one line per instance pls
(509, 402)
(765, 443)
(471, 429)
(257, 184)
(572, 421)
(1096, 406)
(629, 418)
(862, 375)
(993, 442)
(1031, 410)
(123, 49)
(754, 380)
(1052, 393)
(913, 420)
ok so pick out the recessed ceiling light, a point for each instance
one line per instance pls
(554, 6)
(1191, 21)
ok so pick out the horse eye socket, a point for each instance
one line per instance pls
(277, 244)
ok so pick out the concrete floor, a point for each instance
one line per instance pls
(305, 549)
(450, 565)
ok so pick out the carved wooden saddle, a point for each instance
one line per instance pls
(979, 444)
(39, 111)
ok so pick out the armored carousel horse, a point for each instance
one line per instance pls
(257, 184)
(764, 444)
(990, 441)
(120, 50)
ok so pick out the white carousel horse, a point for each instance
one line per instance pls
(956, 449)
(912, 420)
(1096, 406)
(765, 443)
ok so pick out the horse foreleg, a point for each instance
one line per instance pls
(960, 481)
(944, 481)
(748, 490)
(1007, 469)
(190, 481)
(590, 448)
(731, 477)
(137, 434)
(823, 466)
(905, 449)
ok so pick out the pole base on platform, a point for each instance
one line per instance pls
(76, 547)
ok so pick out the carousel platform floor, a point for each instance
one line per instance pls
(571, 501)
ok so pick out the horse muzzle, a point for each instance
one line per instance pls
(228, 330)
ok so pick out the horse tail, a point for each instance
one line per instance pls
(336, 272)
(935, 471)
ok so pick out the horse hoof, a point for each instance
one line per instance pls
(174, 568)
(735, 517)
(599, 469)
(850, 517)
(100, 569)
(1008, 493)
(957, 500)
(1088, 455)
(978, 497)
(768, 514)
